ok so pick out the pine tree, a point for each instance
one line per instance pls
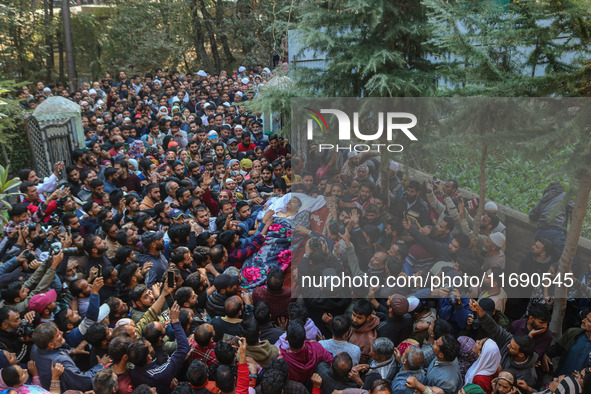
(373, 48)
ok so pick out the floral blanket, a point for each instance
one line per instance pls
(275, 252)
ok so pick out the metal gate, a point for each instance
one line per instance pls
(50, 144)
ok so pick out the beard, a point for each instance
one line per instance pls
(356, 325)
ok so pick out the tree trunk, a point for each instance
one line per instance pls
(15, 32)
(72, 77)
(569, 251)
(480, 210)
(219, 17)
(385, 173)
(207, 19)
(199, 38)
(50, 63)
(60, 50)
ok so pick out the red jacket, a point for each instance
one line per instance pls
(303, 362)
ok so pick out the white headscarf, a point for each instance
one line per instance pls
(488, 362)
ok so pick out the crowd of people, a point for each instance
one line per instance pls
(167, 257)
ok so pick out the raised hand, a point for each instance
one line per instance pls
(355, 218)
(282, 323)
(97, 285)
(104, 360)
(156, 287)
(175, 312)
(29, 317)
(57, 370)
(475, 307)
(32, 368)
(92, 274)
(242, 350)
(57, 259)
(406, 224)
(146, 267)
(207, 179)
(316, 380)
(80, 349)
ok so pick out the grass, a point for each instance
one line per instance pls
(511, 179)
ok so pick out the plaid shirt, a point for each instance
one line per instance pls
(203, 353)
(236, 257)
(36, 217)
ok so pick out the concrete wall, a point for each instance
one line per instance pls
(520, 231)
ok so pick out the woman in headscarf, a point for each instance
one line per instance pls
(486, 368)
(235, 166)
(184, 156)
(505, 383)
(227, 195)
(363, 174)
(467, 355)
(148, 141)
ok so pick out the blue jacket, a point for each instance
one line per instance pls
(160, 376)
(399, 382)
(456, 314)
(74, 337)
(158, 269)
(72, 378)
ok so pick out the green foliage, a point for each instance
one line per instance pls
(88, 41)
(373, 48)
(514, 178)
(5, 185)
(529, 48)
(22, 31)
(10, 111)
(13, 139)
(143, 35)
(257, 29)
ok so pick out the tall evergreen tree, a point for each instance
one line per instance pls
(373, 48)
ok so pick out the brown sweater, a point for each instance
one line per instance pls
(364, 336)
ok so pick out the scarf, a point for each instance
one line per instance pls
(467, 355)
(487, 363)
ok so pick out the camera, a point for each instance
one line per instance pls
(56, 247)
(25, 329)
(452, 299)
(29, 256)
(54, 221)
(30, 226)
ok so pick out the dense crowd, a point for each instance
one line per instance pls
(168, 257)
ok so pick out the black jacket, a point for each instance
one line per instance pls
(216, 305)
(10, 341)
(397, 329)
(546, 213)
